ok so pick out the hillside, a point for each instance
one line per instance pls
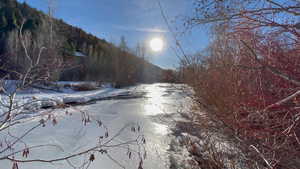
(81, 56)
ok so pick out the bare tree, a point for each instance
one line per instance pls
(251, 40)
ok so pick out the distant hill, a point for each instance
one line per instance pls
(88, 57)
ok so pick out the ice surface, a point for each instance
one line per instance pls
(70, 135)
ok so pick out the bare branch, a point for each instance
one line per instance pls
(283, 100)
(271, 69)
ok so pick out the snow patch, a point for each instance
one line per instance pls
(79, 54)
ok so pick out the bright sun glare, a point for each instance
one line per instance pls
(156, 44)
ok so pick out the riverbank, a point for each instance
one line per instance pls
(194, 146)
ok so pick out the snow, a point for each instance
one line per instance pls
(79, 54)
(41, 99)
(71, 136)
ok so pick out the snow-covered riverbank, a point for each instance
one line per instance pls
(32, 100)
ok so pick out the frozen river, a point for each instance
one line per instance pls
(154, 113)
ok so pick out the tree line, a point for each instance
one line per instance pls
(102, 61)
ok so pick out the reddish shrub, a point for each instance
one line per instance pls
(251, 84)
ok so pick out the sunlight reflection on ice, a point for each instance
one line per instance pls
(154, 103)
(160, 129)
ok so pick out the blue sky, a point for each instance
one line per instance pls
(136, 20)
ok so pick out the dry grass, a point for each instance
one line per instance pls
(84, 87)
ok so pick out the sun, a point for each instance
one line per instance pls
(156, 44)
